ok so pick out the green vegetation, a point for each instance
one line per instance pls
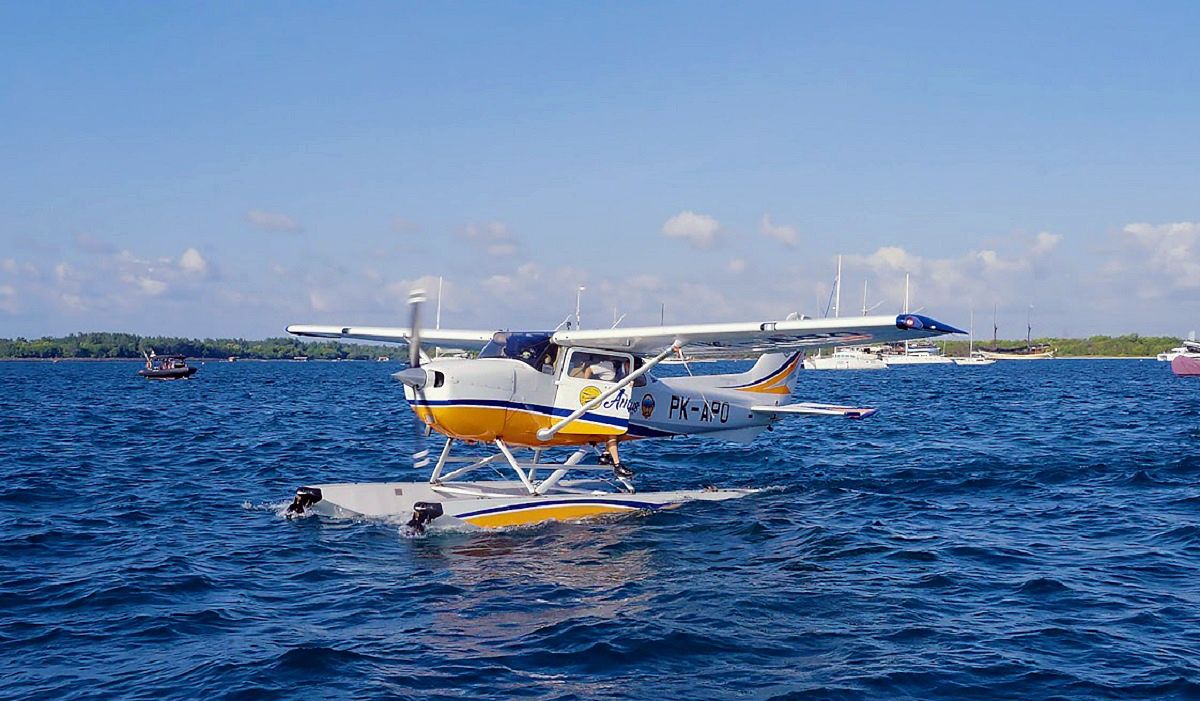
(1128, 346)
(127, 345)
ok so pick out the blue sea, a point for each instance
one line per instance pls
(1024, 530)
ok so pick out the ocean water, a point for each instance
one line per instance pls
(1014, 531)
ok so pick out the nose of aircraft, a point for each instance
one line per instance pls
(413, 377)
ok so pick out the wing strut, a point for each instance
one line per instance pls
(546, 434)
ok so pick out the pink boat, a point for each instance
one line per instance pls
(1186, 365)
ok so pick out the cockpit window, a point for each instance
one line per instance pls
(533, 349)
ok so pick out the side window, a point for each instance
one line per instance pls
(596, 366)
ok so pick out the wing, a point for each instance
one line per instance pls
(743, 338)
(441, 338)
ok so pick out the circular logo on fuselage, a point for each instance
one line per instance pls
(647, 406)
(587, 394)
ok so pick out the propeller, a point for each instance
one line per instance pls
(415, 299)
(415, 376)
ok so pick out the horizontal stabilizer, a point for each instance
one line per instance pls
(850, 412)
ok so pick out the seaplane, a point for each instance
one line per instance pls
(585, 393)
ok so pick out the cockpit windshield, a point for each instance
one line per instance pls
(530, 347)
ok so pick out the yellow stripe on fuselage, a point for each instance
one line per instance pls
(513, 425)
(537, 514)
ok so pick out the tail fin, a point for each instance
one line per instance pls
(773, 374)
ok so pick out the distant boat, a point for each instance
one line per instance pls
(1186, 364)
(973, 357)
(688, 360)
(233, 358)
(166, 367)
(1026, 352)
(917, 353)
(845, 359)
(1168, 356)
(300, 358)
(383, 359)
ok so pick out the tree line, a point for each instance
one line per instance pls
(1127, 346)
(128, 345)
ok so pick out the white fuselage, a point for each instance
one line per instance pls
(488, 398)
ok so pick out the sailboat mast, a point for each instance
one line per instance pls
(995, 330)
(864, 297)
(971, 337)
(837, 295)
(1029, 327)
(906, 307)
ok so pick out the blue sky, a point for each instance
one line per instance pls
(227, 170)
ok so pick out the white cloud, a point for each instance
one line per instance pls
(737, 266)
(8, 299)
(1168, 250)
(1045, 242)
(494, 238)
(993, 262)
(272, 221)
(500, 285)
(787, 235)
(193, 263)
(891, 258)
(152, 287)
(698, 230)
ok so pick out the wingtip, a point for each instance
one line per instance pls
(920, 322)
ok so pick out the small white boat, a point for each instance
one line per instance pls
(917, 354)
(974, 357)
(845, 359)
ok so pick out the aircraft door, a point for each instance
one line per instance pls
(586, 374)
